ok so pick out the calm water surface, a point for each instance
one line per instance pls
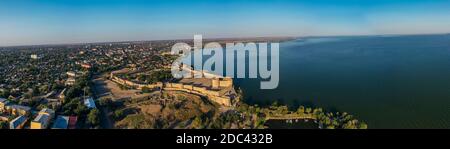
(389, 82)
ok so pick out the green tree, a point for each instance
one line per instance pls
(87, 90)
(105, 102)
(317, 111)
(363, 125)
(197, 122)
(301, 110)
(145, 90)
(93, 117)
(3, 125)
(56, 86)
(73, 92)
(118, 114)
(308, 110)
(36, 91)
(330, 127)
(44, 89)
(81, 109)
(5, 93)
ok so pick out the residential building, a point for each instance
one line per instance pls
(18, 122)
(61, 95)
(34, 56)
(71, 74)
(40, 122)
(70, 81)
(48, 112)
(87, 66)
(43, 119)
(61, 122)
(73, 122)
(3, 118)
(17, 110)
(89, 102)
(3, 103)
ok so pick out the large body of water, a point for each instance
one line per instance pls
(386, 81)
(389, 82)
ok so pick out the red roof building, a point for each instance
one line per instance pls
(86, 66)
(73, 122)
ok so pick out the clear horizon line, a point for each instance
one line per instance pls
(215, 38)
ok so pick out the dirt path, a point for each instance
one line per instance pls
(100, 91)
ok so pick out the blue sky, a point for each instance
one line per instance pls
(24, 22)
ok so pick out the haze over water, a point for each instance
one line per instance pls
(386, 81)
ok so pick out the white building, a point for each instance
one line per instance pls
(71, 74)
(34, 56)
(89, 102)
(70, 81)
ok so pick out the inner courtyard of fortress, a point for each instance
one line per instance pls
(216, 88)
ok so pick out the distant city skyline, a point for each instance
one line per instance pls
(37, 22)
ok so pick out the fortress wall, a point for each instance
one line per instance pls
(177, 89)
(177, 85)
(210, 75)
(188, 87)
(226, 83)
(127, 83)
(215, 83)
(136, 85)
(226, 101)
(203, 73)
(168, 85)
(200, 89)
(214, 95)
(222, 92)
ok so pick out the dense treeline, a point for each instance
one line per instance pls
(328, 120)
(74, 103)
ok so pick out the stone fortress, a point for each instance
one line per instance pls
(216, 88)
